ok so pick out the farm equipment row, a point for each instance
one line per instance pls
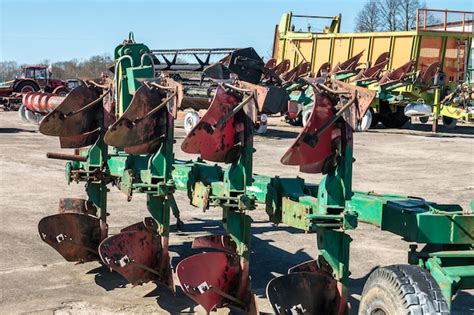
(129, 124)
(413, 72)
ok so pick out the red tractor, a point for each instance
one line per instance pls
(33, 78)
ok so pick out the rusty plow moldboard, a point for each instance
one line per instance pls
(139, 254)
(75, 232)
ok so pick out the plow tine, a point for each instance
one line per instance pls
(76, 115)
(138, 253)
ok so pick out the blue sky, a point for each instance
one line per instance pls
(34, 30)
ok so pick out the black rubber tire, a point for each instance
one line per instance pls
(62, 91)
(33, 87)
(392, 119)
(449, 123)
(402, 289)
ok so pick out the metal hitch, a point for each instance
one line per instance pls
(142, 127)
(139, 254)
(75, 232)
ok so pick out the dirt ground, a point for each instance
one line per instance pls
(35, 279)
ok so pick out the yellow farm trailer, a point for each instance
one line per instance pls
(441, 39)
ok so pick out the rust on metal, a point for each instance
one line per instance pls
(304, 293)
(214, 144)
(308, 149)
(216, 241)
(76, 205)
(79, 113)
(210, 279)
(66, 157)
(79, 141)
(76, 236)
(136, 126)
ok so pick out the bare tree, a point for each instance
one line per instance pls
(387, 15)
(368, 18)
(389, 11)
(408, 13)
(9, 70)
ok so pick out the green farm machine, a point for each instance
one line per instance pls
(122, 132)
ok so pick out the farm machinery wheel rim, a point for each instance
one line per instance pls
(33, 117)
(366, 121)
(210, 278)
(137, 254)
(190, 121)
(303, 293)
(27, 88)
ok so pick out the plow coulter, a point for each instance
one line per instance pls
(123, 135)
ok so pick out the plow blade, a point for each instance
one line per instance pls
(310, 147)
(137, 254)
(143, 124)
(304, 293)
(211, 279)
(76, 236)
(79, 141)
(212, 141)
(76, 115)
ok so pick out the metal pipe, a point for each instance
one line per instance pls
(67, 157)
(41, 102)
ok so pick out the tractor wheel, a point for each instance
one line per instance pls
(305, 116)
(61, 91)
(392, 119)
(402, 289)
(25, 87)
(449, 123)
(424, 119)
(366, 121)
(191, 120)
